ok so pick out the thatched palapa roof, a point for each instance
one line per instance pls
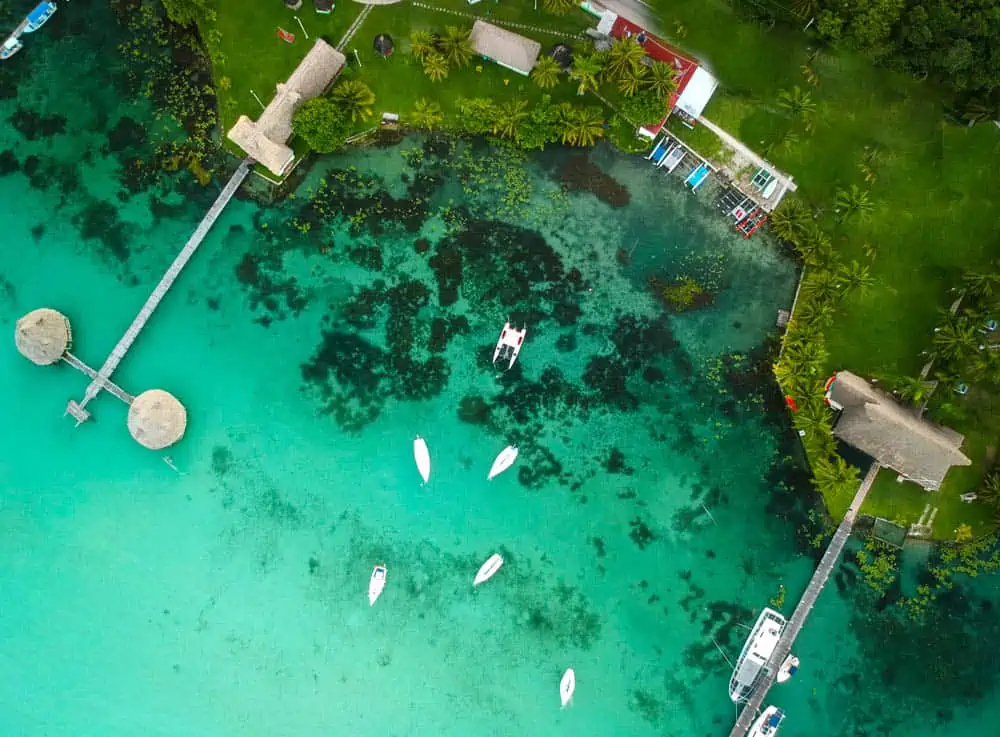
(894, 435)
(266, 140)
(506, 48)
(43, 336)
(156, 419)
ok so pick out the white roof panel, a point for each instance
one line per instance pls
(697, 93)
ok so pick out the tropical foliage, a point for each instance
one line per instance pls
(421, 44)
(321, 123)
(586, 72)
(546, 72)
(455, 47)
(435, 66)
(559, 7)
(427, 114)
(355, 99)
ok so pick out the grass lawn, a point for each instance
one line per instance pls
(934, 217)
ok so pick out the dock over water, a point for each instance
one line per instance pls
(798, 619)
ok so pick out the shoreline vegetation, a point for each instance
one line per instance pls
(892, 221)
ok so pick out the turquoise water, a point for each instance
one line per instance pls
(657, 505)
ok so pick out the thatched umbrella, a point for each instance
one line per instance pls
(563, 55)
(43, 336)
(156, 419)
(293, 4)
(383, 44)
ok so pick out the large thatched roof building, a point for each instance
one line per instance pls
(43, 336)
(894, 435)
(156, 419)
(266, 140)
(506, 48)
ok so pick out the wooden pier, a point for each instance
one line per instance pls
(770, 671)
(100, 379)
(108, 385)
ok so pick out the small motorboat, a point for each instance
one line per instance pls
(567, 686)
(423, 458)
(37, 17)
(788, 668)
(487, 569)
(375, 584)
(508, 346)
(767, 723)
(503, 461)
(10, 47)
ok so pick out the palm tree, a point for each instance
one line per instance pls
(662, 80)
(626, 56)
(822, 284)
(455, 46)
(546, 72)
(912, 389)
(982, 284)
(853, 201)
(789, 221)
(814, 245)
(435, 66)
(956, 339)
(427, 114)
(559, 7)
(631, 81)
(835, 477)
(855, 276)
(816, 313)
(989, 492)
(581, 126)
(797, 102)
(355, 98)
(421, 43)
(509, 118)
(813, 417)
(805, 9)
(585, 71)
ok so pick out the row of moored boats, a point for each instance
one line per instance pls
(507, 349)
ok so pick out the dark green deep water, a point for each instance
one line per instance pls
(655, 508)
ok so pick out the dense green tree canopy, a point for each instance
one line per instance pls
(188, 12)
(321, 123)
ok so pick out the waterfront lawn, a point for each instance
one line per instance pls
(934, 207)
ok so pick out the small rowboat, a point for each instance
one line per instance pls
(503, 461)
(423, 458)
(567, 686)
(376, 584)
(487, 569)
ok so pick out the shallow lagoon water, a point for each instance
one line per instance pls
(656, 506)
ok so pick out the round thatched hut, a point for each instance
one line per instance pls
(156, 419)
(293, 4)
(383, 44)
(43, 336)
(563, 55)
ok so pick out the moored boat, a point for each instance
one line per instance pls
(767, 723)
(37, 17)
(567, 686)
(503, 461)
(10, 47)
(788, 668)
(376, 583)
(756, 652)
(508, 346)
(487, 569)
(423, 458)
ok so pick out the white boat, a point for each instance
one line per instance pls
(423, 458)
(788, 668)
(767, 723)
(756, 652)
(487, 569)
(10, 47)
(567, 686)
(375, 584)
(503, 461)
(508, 346)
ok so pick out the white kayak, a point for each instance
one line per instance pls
(487, 569)
(423, 458)
(567, 686)
(788, 668)
(503, 461)
(376, 584)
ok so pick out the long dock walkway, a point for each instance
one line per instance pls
(100, 381)
(109, 386)
(795, 624)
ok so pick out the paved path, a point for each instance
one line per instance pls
(798, 619)
(354, 27)
(498, 22)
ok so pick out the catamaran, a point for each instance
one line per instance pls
(567, 686)
(487, 569)
(423, 458)
(508, 346)
(503, 461)
(376, 583)
(767, 723)
(788, 668)
(756, 652)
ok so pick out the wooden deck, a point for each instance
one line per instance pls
(101, 379)
(798, 619)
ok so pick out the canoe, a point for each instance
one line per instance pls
(487, 569)
(375, 584)
(567, 686)
(503, 461)
(423, 458)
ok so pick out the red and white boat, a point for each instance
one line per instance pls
(508, 346)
